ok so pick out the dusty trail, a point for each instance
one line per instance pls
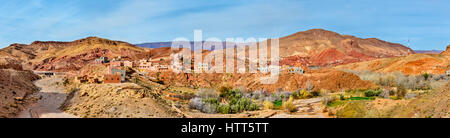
(51, 97)
(307, 108)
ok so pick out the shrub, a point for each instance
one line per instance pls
(305, 94)
(214, 101)
(258, 95)
(341, 97)
(289, 105)
(315, 93)
(296, 94)
(278, 104)
(385, 94)
(426, 75)
(224, 90)
(254, 107)
(209, 108)
(231, 93)
(196, 103)
(328, 99)
(268, 105)
(401, 91)
(372, 93)
(224, 109)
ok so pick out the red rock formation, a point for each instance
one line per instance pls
(326, 48)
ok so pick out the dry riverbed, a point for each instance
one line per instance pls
(51, 97)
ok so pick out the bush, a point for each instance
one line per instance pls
(329, 99)
(209, 108)
(224, 109)
(315, 93)
(196, 103)
(426, 76)
(268, 105)
(305, 94)
(278, 104)
(289, 105)
(341, 97)
(385, 94)
(253, 107)
(372, 93)
(223, 90)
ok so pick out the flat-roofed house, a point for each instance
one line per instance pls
(116, 63)
(129, 64)
(123, 73)
(145, 66)
(101, 60)
(447, 72)
(163, 68)
(297, 70)
(112, 78)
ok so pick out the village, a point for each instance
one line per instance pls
(119, 68)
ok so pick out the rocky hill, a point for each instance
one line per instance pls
(325, 48)
(412, 64)
(66, 56)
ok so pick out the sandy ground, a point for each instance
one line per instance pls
(307, 108)
(51, 97)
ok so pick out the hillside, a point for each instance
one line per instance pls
(15, 88)
(325, 48)
(412, 64)
(66, 56)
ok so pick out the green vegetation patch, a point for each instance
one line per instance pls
(361, 98)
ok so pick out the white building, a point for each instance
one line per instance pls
(297, 70)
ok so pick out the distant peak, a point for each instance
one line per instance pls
(319, 30)
(316, 32)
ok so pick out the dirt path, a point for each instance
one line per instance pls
(51, 97)
(307, 108)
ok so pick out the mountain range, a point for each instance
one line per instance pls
(316, 47)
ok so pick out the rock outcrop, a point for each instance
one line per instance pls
(446, 52)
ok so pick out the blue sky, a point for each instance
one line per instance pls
(425, 22)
